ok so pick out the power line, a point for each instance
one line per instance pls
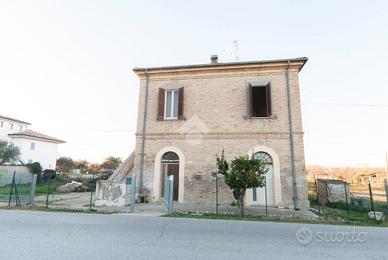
(345, 104)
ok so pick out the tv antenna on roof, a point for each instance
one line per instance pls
(235, 49)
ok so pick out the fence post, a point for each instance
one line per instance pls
(133, 194)
(217, 194)
(319, 208)
(386, 190)
(33, 187)
(346, 196)
(371, 199)
(48, 194)
(91, 193)
(265, 189)
(10, 193)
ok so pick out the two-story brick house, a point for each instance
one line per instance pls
(188, 114)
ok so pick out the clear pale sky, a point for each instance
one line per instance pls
(65, 66)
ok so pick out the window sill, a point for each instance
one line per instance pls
(264, 117)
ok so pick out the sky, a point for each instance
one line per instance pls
(66, 66)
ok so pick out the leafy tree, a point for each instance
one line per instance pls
(65, 164)
(8, 152)
(82, 165)
(94, 168)
(36, 168)
(244, 173)
(111, 163)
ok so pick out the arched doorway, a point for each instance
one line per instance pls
(265, 195)
(170, 166)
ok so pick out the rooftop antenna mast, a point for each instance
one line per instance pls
(236, 50)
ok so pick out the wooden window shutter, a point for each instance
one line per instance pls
(161, 104)
(249, 101)
(269, 103)
(181, 104)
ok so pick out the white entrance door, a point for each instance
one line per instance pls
(260, 195)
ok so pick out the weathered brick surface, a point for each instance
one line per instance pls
(219, 100)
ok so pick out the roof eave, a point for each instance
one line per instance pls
(57, 141)
(14, 120)
(228, 64)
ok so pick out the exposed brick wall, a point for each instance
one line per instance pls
(218, 100)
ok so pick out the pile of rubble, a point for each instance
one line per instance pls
(73, 186)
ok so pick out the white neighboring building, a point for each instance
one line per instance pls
(34, 146)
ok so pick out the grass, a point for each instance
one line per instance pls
(42, 208)
(332, 218)
(41, 189)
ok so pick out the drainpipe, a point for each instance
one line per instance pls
(143, 134)
(294, 187)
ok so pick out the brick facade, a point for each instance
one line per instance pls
(215, 119)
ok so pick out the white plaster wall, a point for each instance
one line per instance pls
(46, 153)
(5, 128)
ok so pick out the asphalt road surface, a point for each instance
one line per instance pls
(42, 235)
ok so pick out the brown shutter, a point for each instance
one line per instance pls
(181, 104)
(161, 105)
(269, 103)
(249, 101)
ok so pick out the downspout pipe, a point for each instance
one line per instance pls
(292, 145)
(141, 179)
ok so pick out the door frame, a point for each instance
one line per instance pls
(158, 169)
(277, 186)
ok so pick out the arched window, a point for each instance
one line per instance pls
(264, 156)
(170, 157)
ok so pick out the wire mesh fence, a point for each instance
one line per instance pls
(353, 199)
(66, 192)
(17, 189)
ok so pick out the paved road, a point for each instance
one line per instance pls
(42, 235)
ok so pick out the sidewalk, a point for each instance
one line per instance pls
(81, 201)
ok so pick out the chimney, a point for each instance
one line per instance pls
(214, 59)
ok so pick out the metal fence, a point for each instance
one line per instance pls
(64, 192)
(326, 195)
(17, 189)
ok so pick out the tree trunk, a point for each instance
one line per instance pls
(241, 202)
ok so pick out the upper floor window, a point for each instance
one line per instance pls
(1, 124)
(11, 125)
(259, 104)
(32, 146)
(20, 127)
(170, 104)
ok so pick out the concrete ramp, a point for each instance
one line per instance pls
(114, 191)
(124, 169)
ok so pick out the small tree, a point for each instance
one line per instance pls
(82, 165)
(111, 163)
(35, 168)
(244, 173)
(65, 164)
(8, 152)
(94, 168)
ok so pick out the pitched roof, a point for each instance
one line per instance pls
(219, 64)
(36, 135)
(14, 120)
